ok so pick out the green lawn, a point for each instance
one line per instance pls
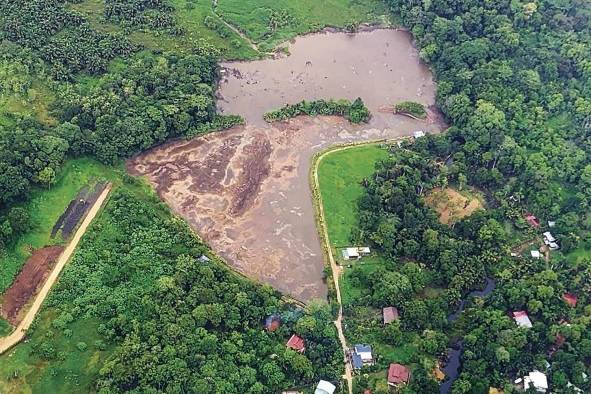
(256, 17)
(45, 206)
(340, 174)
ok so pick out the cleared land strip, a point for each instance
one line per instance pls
(323, 231)
(19, 333)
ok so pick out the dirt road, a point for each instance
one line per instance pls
(336, 269)
(21, 330)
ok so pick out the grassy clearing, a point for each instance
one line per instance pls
(269, 22)
(340, 175)
(350, 291)
(73, 370)
(453, 205)
(45, 206)
(579, 254)
(190, 15)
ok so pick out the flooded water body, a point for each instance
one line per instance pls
(246, 190)
(382, 67)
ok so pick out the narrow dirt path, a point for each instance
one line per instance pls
(214, 7)
(336, 270)
(19, 333)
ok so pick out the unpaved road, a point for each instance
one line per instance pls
(246, 190)
(20, 331)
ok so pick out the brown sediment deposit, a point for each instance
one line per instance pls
(246, 190)
(24, 287)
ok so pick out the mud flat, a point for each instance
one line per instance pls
(246, 190)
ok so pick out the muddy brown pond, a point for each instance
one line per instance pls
(246, 190)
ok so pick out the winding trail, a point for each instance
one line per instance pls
(323, 232)
(214, 7)
(21, 330)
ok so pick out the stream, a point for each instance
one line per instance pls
(452, 366)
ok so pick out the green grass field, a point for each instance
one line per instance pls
(44, 208)
(265, 22)
(340, 174)
(74, 370)
(270, 22)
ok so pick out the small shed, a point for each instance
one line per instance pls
(390, 314)
(272, 323)
(418, 134)
(350, 253)
(532, 220)
(296, 343)
(325, 387)
(536, 254)
(570, 299)
(204, 259)
(398, 374)
(522, 319)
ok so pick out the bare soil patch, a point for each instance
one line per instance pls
(76, 210)
(27, 282)
(451, 205)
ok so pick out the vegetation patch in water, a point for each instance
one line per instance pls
(411, 108)
(354, 112)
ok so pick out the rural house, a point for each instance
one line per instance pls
(296, 343)
(390, 314)
(398, 374)
(272, 323)
(361, 355)
(532, 220)
(550, 241)
(356, 253)
(522, 319)
(350, 253)
(570, 299)
(536, 380)
(536, 254)
(325, 387)
(418, 134)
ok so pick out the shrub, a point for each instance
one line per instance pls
(411, 108)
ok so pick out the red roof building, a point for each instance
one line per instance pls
(272, 323)
(532, 220)
(368, 391)
(296, 343)
(398, 374)
(570, 299)
(390, 314)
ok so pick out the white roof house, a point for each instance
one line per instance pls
(522, 319)
(350, 253)
(364, 351)
(537, 380)
(553, 246)
(536, 254)
(549, 237)
(551, 223)
(418, 134)
(325, 387)
(364, 250)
